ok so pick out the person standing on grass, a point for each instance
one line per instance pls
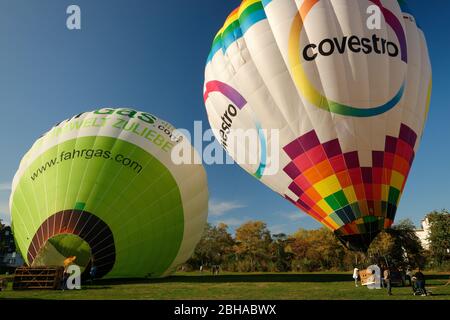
(356, 276)
(387, 280)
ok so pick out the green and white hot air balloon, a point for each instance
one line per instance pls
(102, 186)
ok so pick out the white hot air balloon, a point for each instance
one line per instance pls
(350, 103)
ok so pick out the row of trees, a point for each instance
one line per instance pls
(254, 248)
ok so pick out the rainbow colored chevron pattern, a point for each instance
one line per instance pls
(333, 188)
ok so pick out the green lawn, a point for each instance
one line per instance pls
(254, 286)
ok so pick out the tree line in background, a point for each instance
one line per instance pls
(255, 249)
(2, 238)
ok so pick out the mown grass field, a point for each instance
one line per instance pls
(236, 286)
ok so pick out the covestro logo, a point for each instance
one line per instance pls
(308, 45)
(328, 47)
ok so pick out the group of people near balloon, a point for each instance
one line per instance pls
(415, 279)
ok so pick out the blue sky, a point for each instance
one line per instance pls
(151, 55)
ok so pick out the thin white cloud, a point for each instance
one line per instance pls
(288, 221)
(219, 208)
(295, 216)
(5, 186)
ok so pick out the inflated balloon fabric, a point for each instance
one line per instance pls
(102, 186)
(350, 101)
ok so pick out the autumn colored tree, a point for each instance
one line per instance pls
(281, 256)
(255, 249)
(330, 250)
(315, 250)
(382, 245)
(252, 247)
(214, 248)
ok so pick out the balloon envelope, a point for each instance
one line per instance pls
(346, 83)
(102, 187)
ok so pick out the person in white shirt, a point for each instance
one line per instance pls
(356, 276)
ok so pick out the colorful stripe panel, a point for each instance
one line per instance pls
(228, 91)
(238, 22)
(244, 17)
(333, 188)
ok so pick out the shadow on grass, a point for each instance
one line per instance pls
(20, 299)
(51, 292)
(235, 278)
(270, 277)
(97, 286)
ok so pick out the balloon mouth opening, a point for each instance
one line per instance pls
(87, 240)
(358, 242)
(63, 250)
